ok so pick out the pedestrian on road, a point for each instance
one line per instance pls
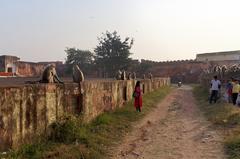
(229, 88)
(215, 87)
(235, 91)
(137, 97)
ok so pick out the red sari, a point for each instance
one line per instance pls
(138, 99)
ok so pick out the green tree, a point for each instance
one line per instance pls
(112, 53)
(83, 58)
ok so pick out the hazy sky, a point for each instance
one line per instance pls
(40, 30)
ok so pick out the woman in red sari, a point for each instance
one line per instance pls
(138, 97)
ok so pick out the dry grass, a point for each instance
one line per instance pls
(225, 117)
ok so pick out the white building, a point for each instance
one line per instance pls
(219, 56)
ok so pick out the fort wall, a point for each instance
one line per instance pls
(27, 111)
(186, 71)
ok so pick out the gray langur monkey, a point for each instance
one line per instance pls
(50, 75)
(77, 74)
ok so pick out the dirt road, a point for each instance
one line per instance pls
(176, 129)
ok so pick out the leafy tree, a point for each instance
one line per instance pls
(83, 58)
(112, 53)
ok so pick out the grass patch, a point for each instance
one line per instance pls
(224, 116)
(69, 138)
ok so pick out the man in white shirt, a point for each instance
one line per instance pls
(215, 86)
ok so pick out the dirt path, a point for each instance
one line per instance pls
(174, 130)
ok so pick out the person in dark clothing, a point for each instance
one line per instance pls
(229, 88)
(235, 91)
(215, 86)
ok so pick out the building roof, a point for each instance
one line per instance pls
(9, 56)
(237, 52)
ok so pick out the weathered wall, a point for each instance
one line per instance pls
(28, 110)
(187, 71)
(30, 69)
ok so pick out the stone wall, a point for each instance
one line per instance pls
(31, 69)
(28, 110)
(187, 71)
(28, 69)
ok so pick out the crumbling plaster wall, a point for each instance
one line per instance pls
(28, 110)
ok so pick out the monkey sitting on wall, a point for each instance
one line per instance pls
(50, 75)
(77, 74)
(129, 77)
(123, 75)
(134, 75)
(118, 75)
(150, 76)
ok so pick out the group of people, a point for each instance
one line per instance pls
(231, 93)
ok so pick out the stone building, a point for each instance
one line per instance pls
(8, 64)
(219, 56)
(12, 66)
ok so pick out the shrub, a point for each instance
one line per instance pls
(65, 130)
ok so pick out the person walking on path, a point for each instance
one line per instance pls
(138, 97)
(229, 88)
(215, 87)
(235, 91)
